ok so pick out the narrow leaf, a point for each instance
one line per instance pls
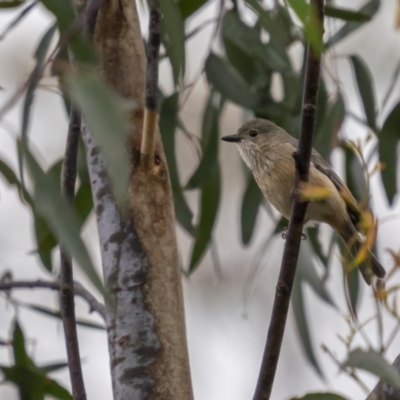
(388, 143)
(252, 199)
(168, 123)
(365, 89)
(368, 9)
(106, 114)
(346, 15)
(320, 396)
(173, 27)
(189, 7)
(21, 357)
(209, 202)
(11, 3)
(229, 83)
(371, 361)
(60, 217)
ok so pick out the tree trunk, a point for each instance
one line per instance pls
(147, 338)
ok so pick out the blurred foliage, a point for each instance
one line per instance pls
(243, 70)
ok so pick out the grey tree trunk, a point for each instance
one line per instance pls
(147, 338)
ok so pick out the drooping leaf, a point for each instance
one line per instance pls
(189, 7)
(312, 27)
(107, 116)
(320, 396)
(312, 235)
(174, 29)
(298, 306)
(168, 123)
(47, 368)
(17, 19)
(210, 196)
(11, 3)
(252, 199)
(33, 384)
(248, 40)
(229, 83)
(21, 357)
(64, 12)
(369, 9)
(210, 142)
(388, 143)
(345, 14)
(83, 202)
(365, 89)
(371, 361)
(60, 217)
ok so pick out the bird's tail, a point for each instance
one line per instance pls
(370, 266)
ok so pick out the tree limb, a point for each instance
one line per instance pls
(302, 158)
(79, 290)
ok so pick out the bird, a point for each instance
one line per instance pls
(267, 150)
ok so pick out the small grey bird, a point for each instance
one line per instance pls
(267, 150)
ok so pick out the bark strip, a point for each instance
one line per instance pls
(302, 158)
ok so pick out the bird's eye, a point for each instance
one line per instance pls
(253, 133)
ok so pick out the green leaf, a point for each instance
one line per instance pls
(368, 9)
(229, 83)
(252, 199)
(33, 384)
(45, 241)
(209, 202)
(11, 3)
(168, 123)
(53, 367)
(346, 15)
(312, 27)
(248, 40)
(60, 217)
(300, 316)
(210, 140)
(373, 362)
(174, 30)
(388, 143)
(189, 7)
(83, 202)
(21, 357)
(17, 19)
(107, 116)
(365, 88)
(64, 12)
(320, 396)
(312, 235)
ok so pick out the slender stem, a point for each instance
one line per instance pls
(79, 290)
(66, 278)
(302, 158)
(150, 114)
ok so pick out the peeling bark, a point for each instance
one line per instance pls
(147, 338)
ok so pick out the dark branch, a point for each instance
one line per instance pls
(292, 246)
(66, 279)
(150, 116)
(79, 290)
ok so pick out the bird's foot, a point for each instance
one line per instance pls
(303, 236)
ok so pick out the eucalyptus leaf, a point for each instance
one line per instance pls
(388, 146)
(346, 15)
(369, 9)
(107, 116)
(365, 88)
(320, 396)
(11, 3)
(189, 7)
(372, 361)
(168, 124)
(60, 217)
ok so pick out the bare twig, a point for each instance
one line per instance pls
(79, 290)
(67, 280)
(302, 158)
(150, 113)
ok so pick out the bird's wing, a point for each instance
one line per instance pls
(321, 165)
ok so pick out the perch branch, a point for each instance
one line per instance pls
(292, 246)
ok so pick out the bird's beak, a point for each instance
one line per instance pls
(231, 138)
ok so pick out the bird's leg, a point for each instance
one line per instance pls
(303, 235)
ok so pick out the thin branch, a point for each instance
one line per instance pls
(150, 113)
(302, 158)
(79, 290)
(67, 305)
